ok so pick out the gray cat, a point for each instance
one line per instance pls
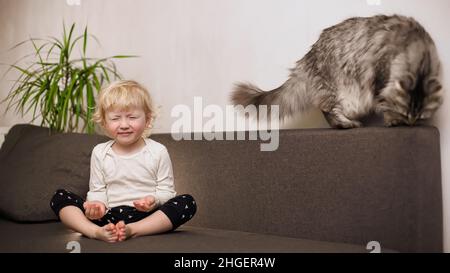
(383, 64)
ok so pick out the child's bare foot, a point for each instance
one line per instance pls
(107, 233)
(123, 231)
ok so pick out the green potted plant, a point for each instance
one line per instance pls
(57, 86)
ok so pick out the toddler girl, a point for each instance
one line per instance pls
(131, 187)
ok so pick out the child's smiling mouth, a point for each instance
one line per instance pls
(124, 133)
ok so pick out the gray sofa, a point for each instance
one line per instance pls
(322, 190)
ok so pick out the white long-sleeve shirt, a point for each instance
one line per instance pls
(119, 180)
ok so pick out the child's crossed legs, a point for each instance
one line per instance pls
(120, 223)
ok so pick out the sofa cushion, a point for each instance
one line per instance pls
(53, 237)
(35, 163)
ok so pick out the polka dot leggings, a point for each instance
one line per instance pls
(179, 209)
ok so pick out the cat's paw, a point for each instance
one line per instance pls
(393, 122)
(349, 124)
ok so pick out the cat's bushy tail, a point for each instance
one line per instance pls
(291, 97)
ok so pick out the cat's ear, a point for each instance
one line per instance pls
(399, 86)
(432, 85)
(406, 84)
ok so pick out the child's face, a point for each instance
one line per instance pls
(126, 126)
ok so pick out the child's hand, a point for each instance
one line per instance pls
(145, 204)
(94, 209)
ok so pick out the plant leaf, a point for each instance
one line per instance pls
(85, 41)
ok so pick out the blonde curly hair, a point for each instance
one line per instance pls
(124, 94)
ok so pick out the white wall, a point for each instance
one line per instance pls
(200, 47)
